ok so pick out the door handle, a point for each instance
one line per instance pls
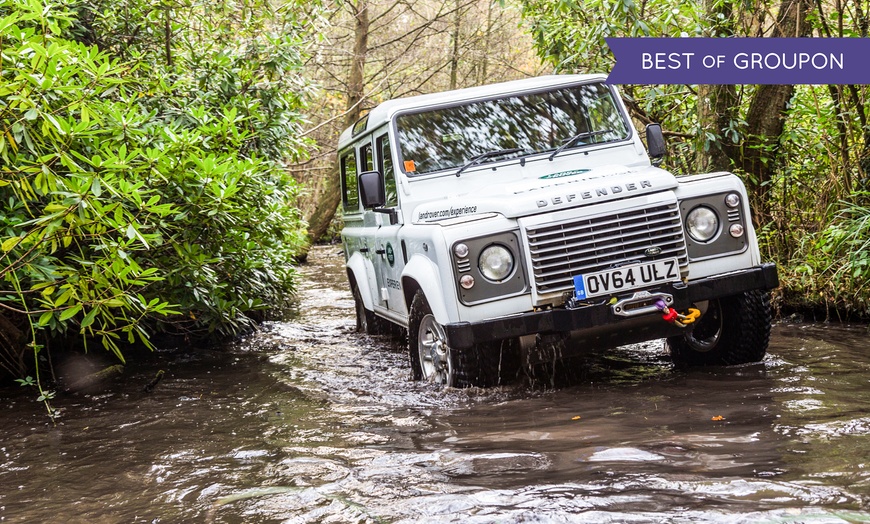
(380, 251)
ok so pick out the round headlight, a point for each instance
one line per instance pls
(496, 262)
(702, 223)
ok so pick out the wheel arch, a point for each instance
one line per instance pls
(358, 271)
(421, 274)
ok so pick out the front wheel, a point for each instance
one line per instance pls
(734, 330)
(433, 360)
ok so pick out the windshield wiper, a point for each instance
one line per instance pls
(573, 140)
(489, 154)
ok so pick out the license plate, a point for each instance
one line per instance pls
(626, 278)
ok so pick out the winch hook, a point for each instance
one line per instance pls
(674, 317)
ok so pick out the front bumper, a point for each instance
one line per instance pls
(462, 335)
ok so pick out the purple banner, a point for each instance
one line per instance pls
(740, 60)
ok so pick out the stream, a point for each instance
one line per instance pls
(307, 421)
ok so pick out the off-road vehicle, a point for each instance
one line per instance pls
(491, 221)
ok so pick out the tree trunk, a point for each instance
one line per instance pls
(717, 109)
(765, 119)
(862, 27)
(717, 104)
(356, 82)
(454, 56)
(327, 204)
(486, 40)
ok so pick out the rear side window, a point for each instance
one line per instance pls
(350, 198)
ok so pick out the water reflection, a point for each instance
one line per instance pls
(308, 422)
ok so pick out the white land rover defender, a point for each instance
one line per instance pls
(494, 220)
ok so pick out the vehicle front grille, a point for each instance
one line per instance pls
(560, 251)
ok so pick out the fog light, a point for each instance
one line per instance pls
(467, 281)
(460, 250)
(736, 230)
(732, 200)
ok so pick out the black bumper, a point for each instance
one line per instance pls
(466, 334)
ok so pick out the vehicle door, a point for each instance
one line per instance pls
(360, 227)
(388, 245)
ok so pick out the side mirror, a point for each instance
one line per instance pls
(374, 196)
(371, 189)
(655, 143)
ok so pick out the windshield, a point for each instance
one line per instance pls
(451, 137)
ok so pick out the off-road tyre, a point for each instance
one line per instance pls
(366, 321)
(477, 366)
(733, 330)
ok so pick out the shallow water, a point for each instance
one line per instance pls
(307, 421)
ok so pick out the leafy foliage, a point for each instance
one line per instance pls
(812, 202)
(142, 173)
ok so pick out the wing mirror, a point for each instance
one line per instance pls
(655, 143)
(371, 189)
(374, 196)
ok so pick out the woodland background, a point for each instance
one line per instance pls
(165, 163)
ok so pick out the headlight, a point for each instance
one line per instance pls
(496, 262)
(702, 223)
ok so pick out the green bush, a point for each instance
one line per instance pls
(832, 267)
(142, 178)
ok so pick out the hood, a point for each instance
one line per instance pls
(549, 192)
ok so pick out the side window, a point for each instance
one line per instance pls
(386, 161)
(366, 157)
(349, 183)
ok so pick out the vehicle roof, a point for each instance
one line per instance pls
(385, 111)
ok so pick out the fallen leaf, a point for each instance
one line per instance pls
(576, 418)
(718, 417)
